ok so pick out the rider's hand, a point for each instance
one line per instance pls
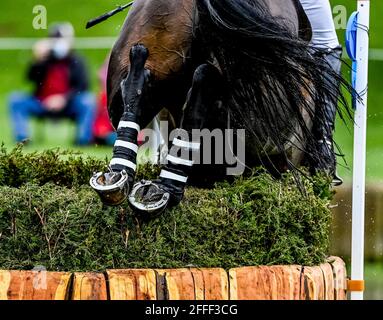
(42, 49)
(55, 103)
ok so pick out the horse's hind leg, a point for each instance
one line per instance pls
(153, 197)
(114, 186)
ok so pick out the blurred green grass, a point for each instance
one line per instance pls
(16, 21)
(374, 281)
(344, 133)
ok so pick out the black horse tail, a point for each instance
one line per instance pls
(273, 76)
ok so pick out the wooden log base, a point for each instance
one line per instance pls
(325, 282)
(89, 286)
(132, 284)
(34, 285)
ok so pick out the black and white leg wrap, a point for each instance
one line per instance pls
(125, 148)
(174, 175)
(151, 198)
(115, 185)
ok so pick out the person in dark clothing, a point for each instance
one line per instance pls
(61, 87)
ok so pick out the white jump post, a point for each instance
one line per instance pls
(359, 164)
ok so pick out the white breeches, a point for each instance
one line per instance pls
(320, 15)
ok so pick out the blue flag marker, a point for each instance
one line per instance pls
(351, 34)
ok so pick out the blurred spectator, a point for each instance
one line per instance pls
(102, 130)
(61, 87)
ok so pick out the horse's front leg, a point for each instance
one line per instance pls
(151, 198)
(114, 186)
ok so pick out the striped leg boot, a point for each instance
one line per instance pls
(152, 198)
(115, 185)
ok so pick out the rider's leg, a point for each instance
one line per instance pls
(326, 43)
(323, 129)
(173, 178)
(320, 15)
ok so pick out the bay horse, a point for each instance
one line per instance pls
(240, 64)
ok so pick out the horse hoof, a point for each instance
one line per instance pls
(112, 187)
(148, 199)
(336, 180)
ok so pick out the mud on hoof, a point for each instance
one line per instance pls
(148, 199)
(112, 187)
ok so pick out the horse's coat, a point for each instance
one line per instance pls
(165, 28)
(240, 64)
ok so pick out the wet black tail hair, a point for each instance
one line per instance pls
(273, 75)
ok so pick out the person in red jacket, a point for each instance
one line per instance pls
(103, 131)
(61, 87)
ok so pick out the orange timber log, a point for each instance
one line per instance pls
(324, 282)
